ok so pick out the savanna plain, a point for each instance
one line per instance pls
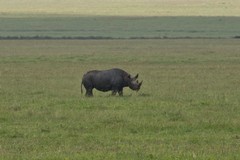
(187, 108)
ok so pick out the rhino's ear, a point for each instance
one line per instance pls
(135, 77)
(129, 76)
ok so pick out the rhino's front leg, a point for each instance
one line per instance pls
(114, 93)
(120, 92)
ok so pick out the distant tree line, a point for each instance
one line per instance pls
(99, 38)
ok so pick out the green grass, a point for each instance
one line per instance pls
(187, 108)
(119, 27)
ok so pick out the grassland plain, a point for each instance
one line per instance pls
(118, 27)
(188, 107)
(123, 7)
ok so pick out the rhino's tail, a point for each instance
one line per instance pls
(81, 87)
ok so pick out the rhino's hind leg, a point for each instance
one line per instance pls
(89, 93)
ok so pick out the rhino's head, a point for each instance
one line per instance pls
(133, 83)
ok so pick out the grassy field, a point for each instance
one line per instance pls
(119, 27)
(188, 107)
(123, 7)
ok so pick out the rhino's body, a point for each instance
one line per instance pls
(109, 80)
